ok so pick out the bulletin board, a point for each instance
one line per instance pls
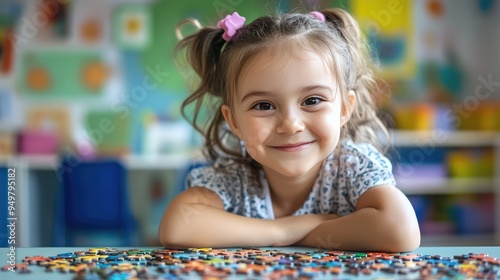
(388, 27)
(67, 74)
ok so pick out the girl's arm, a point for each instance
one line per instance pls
(384, 221)
(196, 218)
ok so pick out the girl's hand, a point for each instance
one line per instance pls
(292, 229)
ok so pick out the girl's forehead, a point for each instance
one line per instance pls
(277, 59)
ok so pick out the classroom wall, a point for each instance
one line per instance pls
(134, 79)
(98, 79)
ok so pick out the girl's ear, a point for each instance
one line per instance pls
(348, 107)
(226, 112)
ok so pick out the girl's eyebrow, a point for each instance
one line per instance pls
(254, 93)
(314, 87)
(305, 89)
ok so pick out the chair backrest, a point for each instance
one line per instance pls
(95, 195)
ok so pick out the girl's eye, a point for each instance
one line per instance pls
(263, 106)
(312, 101)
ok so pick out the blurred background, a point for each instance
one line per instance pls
(90, 113)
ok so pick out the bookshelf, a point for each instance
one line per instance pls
(143, 168)
(447, 186)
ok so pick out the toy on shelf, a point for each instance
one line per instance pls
(165, 135)
(489, 116)
(474, 216)
(50, 118)
(32, 142)
(420, 116)
(471, 163)
(482, 116)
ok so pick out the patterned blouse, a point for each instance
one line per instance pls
(343, 178)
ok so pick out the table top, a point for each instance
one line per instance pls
(458, 260)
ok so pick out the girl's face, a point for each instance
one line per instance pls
(288, 112)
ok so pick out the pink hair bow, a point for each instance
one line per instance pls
(231, 24)
(318, 15)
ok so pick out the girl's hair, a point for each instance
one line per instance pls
(218, 65)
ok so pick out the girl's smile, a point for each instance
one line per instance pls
(295, 147)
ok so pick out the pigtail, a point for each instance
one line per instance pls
(201, 51)
(364, 123)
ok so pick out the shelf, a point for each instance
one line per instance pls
(175, 161)
(441, 138)
(132, 162)
(39, 162)
(460, 240)
(446, 186)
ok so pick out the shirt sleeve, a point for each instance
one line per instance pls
(368, 168)
(208, 177)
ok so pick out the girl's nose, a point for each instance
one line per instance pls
(290, 124)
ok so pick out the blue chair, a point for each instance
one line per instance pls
(93, 208)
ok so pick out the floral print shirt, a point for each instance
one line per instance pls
(343, 178)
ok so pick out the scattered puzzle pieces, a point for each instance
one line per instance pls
(207, 263)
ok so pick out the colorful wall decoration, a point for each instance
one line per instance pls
(10, 12)
(132, 24)
(388, 27)
(66, 74)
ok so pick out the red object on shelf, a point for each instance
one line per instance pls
(37, 142)
(8, 52)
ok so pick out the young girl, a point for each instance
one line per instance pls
(291, 140)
